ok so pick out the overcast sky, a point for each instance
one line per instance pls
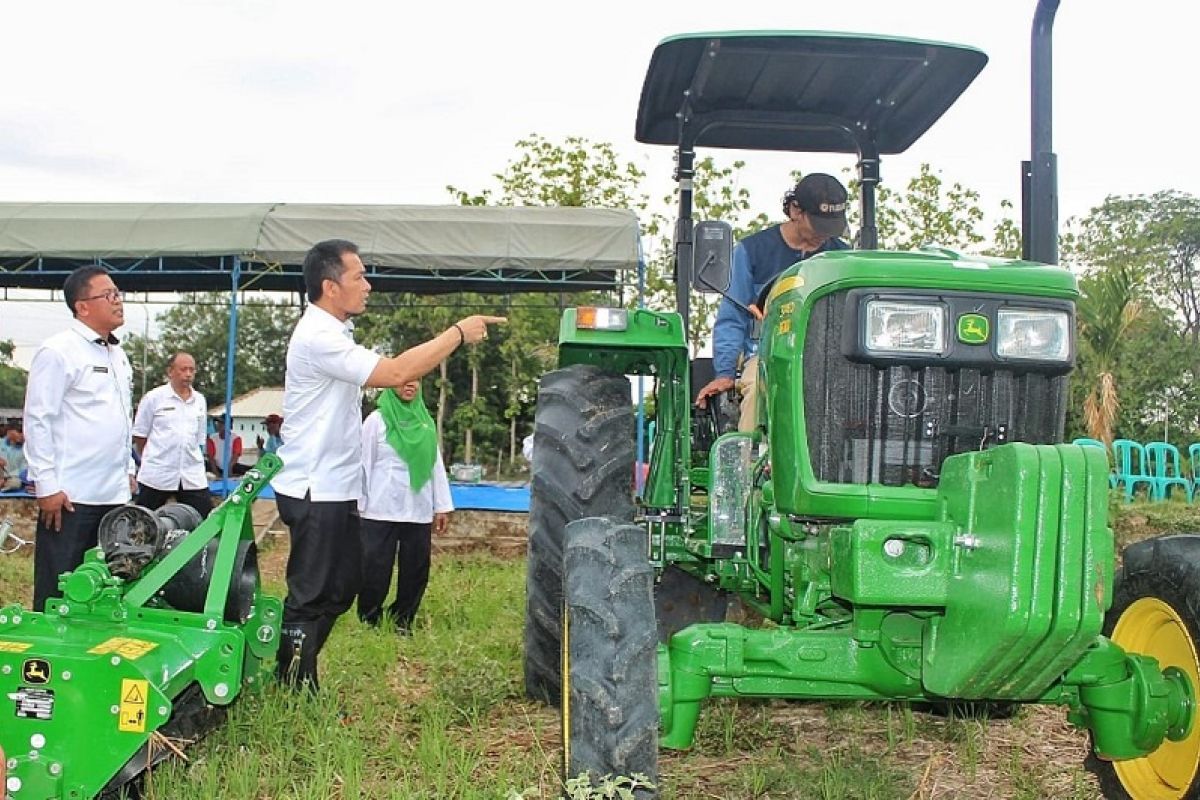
(374, 102)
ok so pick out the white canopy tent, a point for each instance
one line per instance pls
(428, 249)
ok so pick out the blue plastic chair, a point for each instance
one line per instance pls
(1162, 460)
(1194, 462)
(1130, 459)
(1084, 441)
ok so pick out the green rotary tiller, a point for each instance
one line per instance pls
(161, 626)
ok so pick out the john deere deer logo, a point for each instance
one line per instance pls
(973, 329)
(36, 670)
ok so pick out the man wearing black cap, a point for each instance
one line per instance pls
(816, 212)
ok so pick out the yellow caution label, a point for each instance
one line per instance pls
(125, 647)
(134, 694)
(14, 647)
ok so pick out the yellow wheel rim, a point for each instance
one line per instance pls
(1152, 627)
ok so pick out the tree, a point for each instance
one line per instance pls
(1145, 249)
(199, 324)
(12, 377)
(928, 212)
(576, 173)
(528, 348)
(500, 382)
(1106, 311)
(1156, 236)
(717, 195)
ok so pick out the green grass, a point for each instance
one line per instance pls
(442, 715)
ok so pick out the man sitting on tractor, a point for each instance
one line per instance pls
(816, 212)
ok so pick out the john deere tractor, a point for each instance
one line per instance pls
(904, 519)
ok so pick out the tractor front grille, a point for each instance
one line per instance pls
(895, 425)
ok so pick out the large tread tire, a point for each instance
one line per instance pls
(583, 455)
(1156, 612)
(610, 656)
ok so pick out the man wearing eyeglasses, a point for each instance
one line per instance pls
(78, 428)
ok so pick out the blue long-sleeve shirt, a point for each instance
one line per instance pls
(757, 260)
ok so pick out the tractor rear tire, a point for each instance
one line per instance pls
(583, 453)
(609, 654)
(1156, 612)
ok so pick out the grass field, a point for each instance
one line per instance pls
(441, 714)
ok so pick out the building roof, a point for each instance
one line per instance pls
(256, 404)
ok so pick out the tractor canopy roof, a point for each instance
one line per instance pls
(802, 91)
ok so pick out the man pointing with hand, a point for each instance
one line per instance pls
(317, 490)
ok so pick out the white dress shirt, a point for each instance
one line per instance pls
(387, 493)
(174, 431)
(78, 405)
(322, 409)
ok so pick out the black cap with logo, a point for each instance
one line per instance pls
(823, 198)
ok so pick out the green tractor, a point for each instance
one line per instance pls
(162, 627)
(905, 518)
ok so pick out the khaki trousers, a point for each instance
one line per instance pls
(747, 385)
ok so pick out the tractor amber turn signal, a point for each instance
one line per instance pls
(601, 319)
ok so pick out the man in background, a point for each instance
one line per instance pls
(168, 434)
(12, 457)
(273, 440)
(78, 409)
(215, 452)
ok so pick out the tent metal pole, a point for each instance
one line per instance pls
(235, 276)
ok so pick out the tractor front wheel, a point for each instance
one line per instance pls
(609, 655)
(582, 467)
(1156, 612)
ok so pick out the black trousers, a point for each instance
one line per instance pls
(406, 544)
(323, 568)
(152, 498)
(323, 574)
(56, 552)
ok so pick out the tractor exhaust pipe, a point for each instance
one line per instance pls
(1039, 185)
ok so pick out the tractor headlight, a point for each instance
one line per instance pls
(1033, 334)
(894, 327)
(595, 318)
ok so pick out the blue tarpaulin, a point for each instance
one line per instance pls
(466, 496)
(488, 497)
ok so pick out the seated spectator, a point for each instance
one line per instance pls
(12, 457)
(274, 439)
(214, 451)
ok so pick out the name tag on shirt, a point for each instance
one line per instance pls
(99, 369)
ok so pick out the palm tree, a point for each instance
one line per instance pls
(1107, 310)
